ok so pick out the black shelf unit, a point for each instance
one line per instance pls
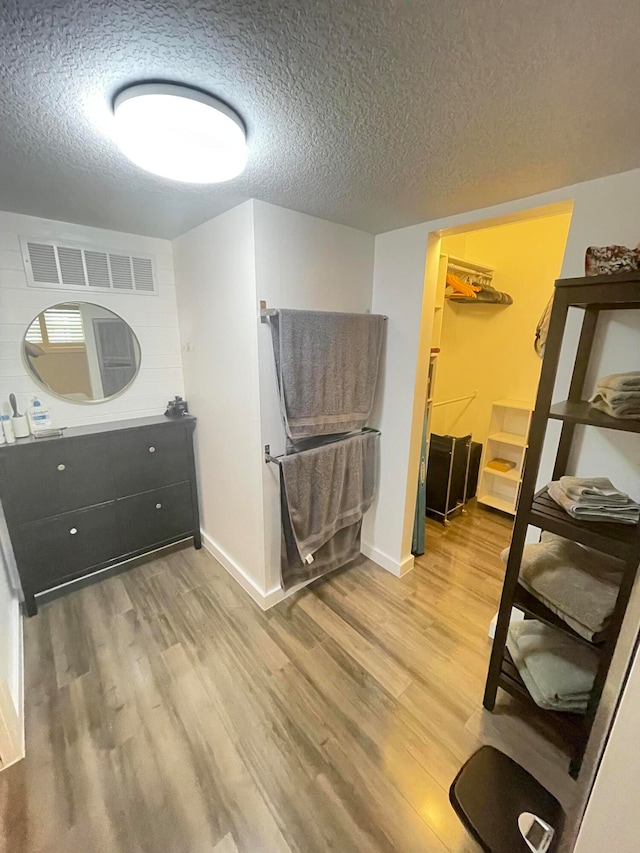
(594, 295)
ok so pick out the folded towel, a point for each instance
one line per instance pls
(557, 670)
(617, 404)
(327, 369)
(593, 490)
(322, 492)
(628, 513)
(621, 381)
(578, 584)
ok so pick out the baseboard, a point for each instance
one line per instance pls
(11, 730)
(386, 562)
(235, 570)
(264, 599)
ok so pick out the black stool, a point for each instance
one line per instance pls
(491, 792)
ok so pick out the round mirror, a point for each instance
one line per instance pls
(81, 352)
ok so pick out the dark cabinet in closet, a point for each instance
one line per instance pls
(96, 497)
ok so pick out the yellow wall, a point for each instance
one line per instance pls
(489, 348)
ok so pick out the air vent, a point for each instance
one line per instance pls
(71, 266)
(44, 268)
(97, 269)
(78, 267)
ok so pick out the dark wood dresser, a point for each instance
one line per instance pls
(96, 497)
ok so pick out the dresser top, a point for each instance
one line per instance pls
(98, 429)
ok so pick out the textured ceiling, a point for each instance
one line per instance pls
(373, 113)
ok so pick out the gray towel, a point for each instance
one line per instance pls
(327, 367)
(621, 381)
(618, 404)
(578, 584)
(557, 670)
(628, 513)
(324, 493)
(593, 490)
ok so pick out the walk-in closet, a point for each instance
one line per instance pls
(492, 287)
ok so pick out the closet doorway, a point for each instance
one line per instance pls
(489, 288)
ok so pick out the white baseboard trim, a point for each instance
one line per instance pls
(11, 730)
(235, 570)
(264, 599)
(386, 562)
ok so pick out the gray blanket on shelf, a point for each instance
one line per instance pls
(327, 369)
(324, 493)
(557, 670)
(578, 584)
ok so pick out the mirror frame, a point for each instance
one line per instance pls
(55, 394)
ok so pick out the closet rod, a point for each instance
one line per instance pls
(471, 396)
(265, 312)
(276, 459)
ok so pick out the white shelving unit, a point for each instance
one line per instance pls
(507, 439)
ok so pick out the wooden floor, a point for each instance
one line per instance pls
(166, 713)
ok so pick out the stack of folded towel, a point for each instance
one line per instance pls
(578, 584)
(557, 670)
(618, 395)
(594, 499)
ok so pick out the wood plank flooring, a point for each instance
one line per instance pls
(166, 712)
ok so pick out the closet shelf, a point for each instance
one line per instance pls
(513, 475)
(509, 438)
(498, 503)
(583, 412)
(617, 540)
(532, 606)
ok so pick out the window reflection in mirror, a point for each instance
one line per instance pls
(81, 352)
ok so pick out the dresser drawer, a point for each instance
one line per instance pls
(149, 458)
(59, 476)
(61, 548)
(155, 517)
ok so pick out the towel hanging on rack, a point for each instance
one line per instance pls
(324, 494)
(327, 369)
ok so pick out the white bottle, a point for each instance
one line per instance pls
(39, 417)
(2, 439)
(7, 428)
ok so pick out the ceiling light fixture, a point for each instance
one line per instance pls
(180, 133)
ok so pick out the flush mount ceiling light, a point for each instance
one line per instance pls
(180, 133)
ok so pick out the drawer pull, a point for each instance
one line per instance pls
(152, 449)
(158, 506)
(73, 531)
(61, 467)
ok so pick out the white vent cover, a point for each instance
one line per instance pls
(77, 267)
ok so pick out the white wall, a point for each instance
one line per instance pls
(10, 631)
(154, 319)
(305, 263)
(611, 821)
(216, 283)
(398, 278)
(256, 251)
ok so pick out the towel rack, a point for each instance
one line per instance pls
(265, 312)
(276, 459)
(471, 396)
